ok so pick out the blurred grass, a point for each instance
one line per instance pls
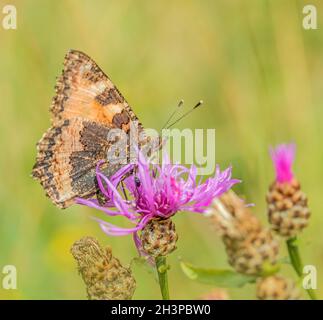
(252, 63)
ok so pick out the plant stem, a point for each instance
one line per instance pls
(161, 268)
(297, 264)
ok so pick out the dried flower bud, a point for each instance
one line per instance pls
(232, 218)
(159, 237)
(249, 256)
(277, 288)
(249, 246)
(104, 276)
(288, 212)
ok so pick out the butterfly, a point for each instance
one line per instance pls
(87, 105)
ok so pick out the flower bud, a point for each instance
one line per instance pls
(250, 255)
(249, 246)
(159, 237)
(104, 276)
(232, 218)
(277, 288)
(288, 212)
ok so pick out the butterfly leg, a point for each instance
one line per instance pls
(124, 190)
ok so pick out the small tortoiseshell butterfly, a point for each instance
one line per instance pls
(85, 108)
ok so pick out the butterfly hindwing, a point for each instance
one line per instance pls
(67, 157)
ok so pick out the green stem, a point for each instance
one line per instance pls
(161, 268)
(297, 263)
(295, 256)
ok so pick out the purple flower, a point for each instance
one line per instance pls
(283, 157)
(155, 191)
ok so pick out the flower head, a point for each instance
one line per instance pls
(155, 191)
(283, 157)
(104, 276)
(288, 211)
(248, 244)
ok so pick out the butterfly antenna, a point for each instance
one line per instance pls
(180, 104)
(186, 113)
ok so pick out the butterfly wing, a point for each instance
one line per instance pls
(67, 157)
(85, 108)
(83, 90)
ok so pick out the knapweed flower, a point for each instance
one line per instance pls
(155, 192)
(249, 246)
(103, 274)
(288, 212)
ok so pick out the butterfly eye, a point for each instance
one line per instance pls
(137, 182)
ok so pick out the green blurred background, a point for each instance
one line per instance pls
(258, 71)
